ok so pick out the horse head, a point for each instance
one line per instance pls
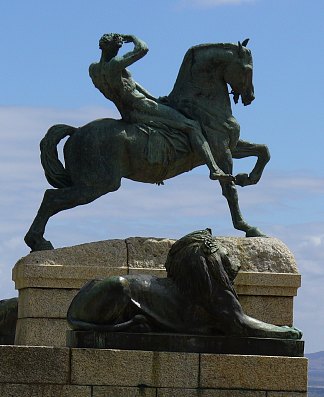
(238, 74)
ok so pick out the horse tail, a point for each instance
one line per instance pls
(55, 173)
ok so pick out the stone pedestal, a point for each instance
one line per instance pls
(62, 372)
(48, 280)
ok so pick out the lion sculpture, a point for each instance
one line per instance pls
(197, 297)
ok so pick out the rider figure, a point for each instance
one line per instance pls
(135, 104)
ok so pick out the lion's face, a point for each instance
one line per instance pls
(199, 265)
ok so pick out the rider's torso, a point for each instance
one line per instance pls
(119, 88)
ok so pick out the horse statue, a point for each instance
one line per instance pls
(99, 154)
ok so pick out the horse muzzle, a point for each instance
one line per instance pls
(248, 98)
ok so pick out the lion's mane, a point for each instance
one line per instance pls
(200, 266)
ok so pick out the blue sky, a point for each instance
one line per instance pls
(46, 48)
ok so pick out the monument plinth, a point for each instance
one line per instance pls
(48, 280)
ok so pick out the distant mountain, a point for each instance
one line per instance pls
(315, 374)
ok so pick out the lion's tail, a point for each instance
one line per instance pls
(55, 172)
(87, 326)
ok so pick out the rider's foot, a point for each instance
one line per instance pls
(221, 176)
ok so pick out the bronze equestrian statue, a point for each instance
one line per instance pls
(156, 138)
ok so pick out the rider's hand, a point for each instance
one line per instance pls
(127, 38)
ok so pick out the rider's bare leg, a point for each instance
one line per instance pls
(201, 146)
(174, 119)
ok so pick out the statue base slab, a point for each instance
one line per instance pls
(64, 372)
(169, 342)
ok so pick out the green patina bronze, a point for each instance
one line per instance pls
(197, 297)
(157, 138)
(8, 320)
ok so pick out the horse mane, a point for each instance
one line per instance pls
(222, 46)
(212, 52)
(199, 266)
(225, 50)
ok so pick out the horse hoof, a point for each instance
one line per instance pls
(242, 180)
(43, 246)
(254, 232)
(37, 243)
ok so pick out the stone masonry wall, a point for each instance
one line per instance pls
(27, 371)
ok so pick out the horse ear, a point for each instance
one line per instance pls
(240, 50)
(240, 47)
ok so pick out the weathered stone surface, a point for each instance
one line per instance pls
(255, 254)
(45, 372)
(27, 364)
(276, 310)
(148, 253)
(38, 390)
(267, 283)
(112, 391)
(286, 394)
(45, 302)
(52, 276)
(133, 368)
(71, 267)
(153, 272)
(253, 372)
(259, 254)
(209, 393)
(41, 332)
(111, 253)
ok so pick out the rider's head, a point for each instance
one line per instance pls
(111, 42)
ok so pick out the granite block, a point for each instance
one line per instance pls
(253, 372)
(286, 394)
(45, 302)
(41, 332)
(209, 393)
(37, 390)
(114, 391)
(276, 310)
(133, 368)
(28, 364)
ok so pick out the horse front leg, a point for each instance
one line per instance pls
(230, 193)
(246, 149)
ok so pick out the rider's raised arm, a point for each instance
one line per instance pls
(140, 49)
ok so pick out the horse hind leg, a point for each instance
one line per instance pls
(57, 200)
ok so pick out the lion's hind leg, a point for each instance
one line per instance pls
(105, 305)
